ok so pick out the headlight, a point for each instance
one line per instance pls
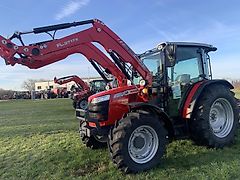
(142, 82)
(100, 99)
(107, 87)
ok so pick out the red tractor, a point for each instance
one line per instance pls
(83, 90)
(163, 94)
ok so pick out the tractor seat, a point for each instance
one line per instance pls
(183, 79)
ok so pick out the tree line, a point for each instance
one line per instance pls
(29, 85)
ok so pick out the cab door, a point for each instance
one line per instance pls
(187, 71)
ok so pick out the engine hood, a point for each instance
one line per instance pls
(112, 91)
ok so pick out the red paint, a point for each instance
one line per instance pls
(80, 42)
(189, 98)
(79, 95)
(75, 79)
(118, 106)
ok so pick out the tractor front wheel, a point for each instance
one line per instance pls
(137, 142)
(82, 104)
(215, 119)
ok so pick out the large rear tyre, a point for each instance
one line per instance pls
(92, 141)
(137, 142)
(215, 119)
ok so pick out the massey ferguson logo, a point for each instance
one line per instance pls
(66, 42)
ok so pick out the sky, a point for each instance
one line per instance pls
(141, 24)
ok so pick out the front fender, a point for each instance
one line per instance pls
(153, 109)
(146, 106)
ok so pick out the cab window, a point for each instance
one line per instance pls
(188, 67)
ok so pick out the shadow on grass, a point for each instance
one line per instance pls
(71, 163)
(181, 156)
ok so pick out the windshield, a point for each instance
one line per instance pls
(98, 85)
(152, 61)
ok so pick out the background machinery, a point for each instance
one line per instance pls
(81, 93)
(171, 93)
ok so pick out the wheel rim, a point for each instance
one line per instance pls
(143, 144)
(83, 104)
(221, 117)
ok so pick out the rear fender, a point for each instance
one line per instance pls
(194, 95)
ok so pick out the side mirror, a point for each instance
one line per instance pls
(170, 55)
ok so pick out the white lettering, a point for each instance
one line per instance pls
(59, 45)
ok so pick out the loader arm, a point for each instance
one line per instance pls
(73, 78)
(43, 53)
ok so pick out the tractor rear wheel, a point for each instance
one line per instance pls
(92, 141)
(215, 119)
(137, 142)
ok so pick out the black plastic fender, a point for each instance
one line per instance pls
(154, 109)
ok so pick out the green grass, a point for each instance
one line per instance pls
(237, 93)
(39, 140)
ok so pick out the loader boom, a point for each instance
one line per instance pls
(80, 83)
(43, 53)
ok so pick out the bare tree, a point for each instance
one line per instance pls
(236, 84)
(30, 84)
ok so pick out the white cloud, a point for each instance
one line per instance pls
(71, 8)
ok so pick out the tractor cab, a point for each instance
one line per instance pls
(175, 67)
(172, 93)
(97, 85)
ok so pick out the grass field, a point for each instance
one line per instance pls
(39, 140)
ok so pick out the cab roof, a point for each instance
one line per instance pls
(207, 47)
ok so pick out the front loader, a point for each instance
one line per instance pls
(164, 94)
(83, 90)
(80, 96)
